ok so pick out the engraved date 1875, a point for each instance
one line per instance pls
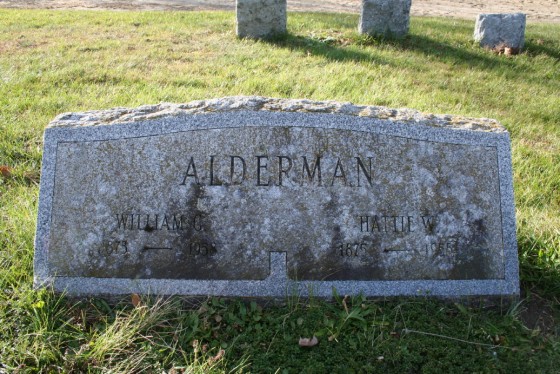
(351, 249)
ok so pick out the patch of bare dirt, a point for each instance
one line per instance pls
(538, 315)
(536, 10)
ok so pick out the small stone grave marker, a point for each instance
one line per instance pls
(251, 196)
(385, 17)
(260, 18)
(500, 30)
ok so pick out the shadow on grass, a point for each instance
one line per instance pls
(462, 54)
(538, 268)
(336, 49)
(534, 49)
(329, 48)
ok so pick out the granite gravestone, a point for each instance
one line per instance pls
(507, 30)
(251, 196)
(389, 18)
(260, 18)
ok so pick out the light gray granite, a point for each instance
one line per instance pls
(253, 196)
(260, 18)
(385, 17)
(507, 30)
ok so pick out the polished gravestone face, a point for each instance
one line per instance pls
(251, 196)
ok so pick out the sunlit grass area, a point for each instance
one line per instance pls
(61, 61)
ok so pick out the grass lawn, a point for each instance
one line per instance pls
(60, 61)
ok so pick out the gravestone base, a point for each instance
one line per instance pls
(500, 30)
(260, 18)
(389, 18)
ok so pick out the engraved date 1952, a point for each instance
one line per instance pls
(202, 249)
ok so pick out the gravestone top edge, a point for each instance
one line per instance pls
(502, 14)
(122, 115)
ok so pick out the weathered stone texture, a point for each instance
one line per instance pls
(260, 18)
(385, 17)
(250, 196)
(506, 30)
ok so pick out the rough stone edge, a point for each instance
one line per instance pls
(259, 103)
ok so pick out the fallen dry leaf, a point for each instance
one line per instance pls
(218, 356)
(344, 304)
(511, 51)
(136, 300)
(306, 342)
(6, 171)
